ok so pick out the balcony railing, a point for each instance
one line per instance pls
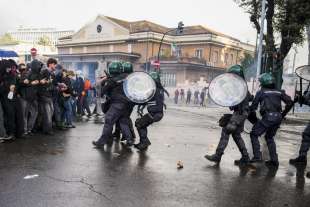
(192, 60)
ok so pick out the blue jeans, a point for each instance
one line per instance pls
(74, 106)
(67, 114)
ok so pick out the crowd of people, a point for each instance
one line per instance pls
(39, 98)
(199, 97)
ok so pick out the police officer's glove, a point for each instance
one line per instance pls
(138, 123)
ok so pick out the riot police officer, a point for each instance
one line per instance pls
(155, 113)
(233, 124)
(127, 69)
(305, 142)
(269, 98)
(120, 107)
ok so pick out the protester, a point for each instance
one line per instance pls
(176, 96)
(188, 96)
(182, 94)
(196, 96)
(66, 90)
(46, 92)
(203, 96)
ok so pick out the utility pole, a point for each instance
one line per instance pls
(261, 35)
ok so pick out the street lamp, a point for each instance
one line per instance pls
(179, 30)
(261, 34)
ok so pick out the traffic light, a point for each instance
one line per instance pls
(180, 27)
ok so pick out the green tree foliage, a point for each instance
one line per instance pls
(45, 41)
(247, 62)
(7, 39)
(286, 22)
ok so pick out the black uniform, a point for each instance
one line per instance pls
(155, 113)
(233, 124)
(271, 111)
(305, 142)
(119, 110)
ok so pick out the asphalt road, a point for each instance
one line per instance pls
(72, 173)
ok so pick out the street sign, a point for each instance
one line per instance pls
(33, 52)
(155, 63)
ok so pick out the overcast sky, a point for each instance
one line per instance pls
(221, 15)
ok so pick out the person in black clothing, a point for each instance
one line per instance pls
(119, 106)
(28, 88)
(301, 159)
(66, 93)
(8, 90)
(269, 100)
(155, 108)
(57, 97)
(233, 124)
(46, 96)
(188, 96)
(3, 134)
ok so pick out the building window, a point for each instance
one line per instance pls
(215, 56)
(198, 53)
(226, 59)
(162, 52)
(231, 58)
(111, 48)
(179, 52)
(168, 79)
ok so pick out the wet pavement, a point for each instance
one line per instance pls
(72, 173)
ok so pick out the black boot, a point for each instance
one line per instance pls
(129, 142)
(97, 145)
(110, 141)
(142, 146)
(243, 161)
(272, 163)
(300, 160)
(214, 158)
(257, 158)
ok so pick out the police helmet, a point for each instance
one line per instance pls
(266, 79)
(115, 68)
(127, 67)
(236, 69)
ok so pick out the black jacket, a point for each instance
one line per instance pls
(47, 90)
(156, 104)
(113, 89)
(270, 101)
(7, 79)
